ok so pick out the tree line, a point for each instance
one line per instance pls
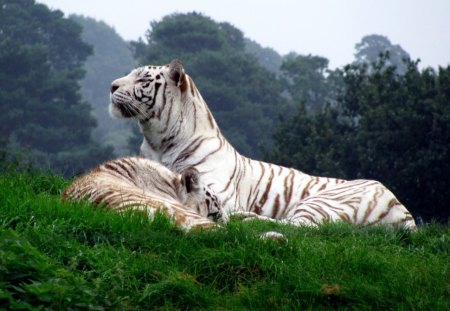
(380, 117)
(43, 114)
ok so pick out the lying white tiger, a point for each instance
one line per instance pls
(141, 184)
(180, 132)
(349, 202)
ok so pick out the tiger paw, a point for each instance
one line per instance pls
(273, 236)
(242, 215)
(250, 216)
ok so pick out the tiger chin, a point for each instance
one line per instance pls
(179, 131)
(140, 184)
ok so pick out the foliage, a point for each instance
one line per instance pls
(267, 57)
(41, 56)
(313, 143)
(306, 80)
(111, 59)
(244, 97)
(371, 46)
(56, 255)
(386, 126)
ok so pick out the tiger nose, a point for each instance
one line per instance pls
(114, 87)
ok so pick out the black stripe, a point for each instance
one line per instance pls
(276, 207)
(169, 116)
(157, 86)
(123, 167)
(192, 86)
(190, 149)
(232, 175)
(131, 164)
(164, 101)
(195, 116)
(265, 195)
(209, 154)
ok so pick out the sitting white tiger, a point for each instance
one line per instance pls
(180, 132)
(141, 184)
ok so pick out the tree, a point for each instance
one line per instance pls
(306, 81)
(111, 59)
(370, 47)
(310, 142)
(267, 57)
(243, 96)
(386, 126)
(41, 56)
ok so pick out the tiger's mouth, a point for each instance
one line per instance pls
(121, 109)
(126, 111)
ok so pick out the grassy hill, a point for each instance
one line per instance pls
(62, 256)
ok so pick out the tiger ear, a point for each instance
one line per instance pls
(177, 72)
(189, 179)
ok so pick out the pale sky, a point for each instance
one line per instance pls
(328, 28)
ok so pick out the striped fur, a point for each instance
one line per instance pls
(180, 132)
(349, 202)
(141, 184)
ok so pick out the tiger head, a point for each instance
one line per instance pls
(198, 197)
(142, 93)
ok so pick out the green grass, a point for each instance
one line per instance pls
(62, 256)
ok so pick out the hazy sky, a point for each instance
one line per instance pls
(328, 28)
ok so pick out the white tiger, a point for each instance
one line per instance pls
(141, 184)
(180, 132)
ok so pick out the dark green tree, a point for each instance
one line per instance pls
(306, 80)
(111, 59)
(41, 56)
(267, 57)
(370, 47)
(308, 142)
(244, 97)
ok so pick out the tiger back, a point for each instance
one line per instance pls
(144, 185)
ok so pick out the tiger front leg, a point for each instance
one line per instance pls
(179, 214)
(189, 219)
(249, 216)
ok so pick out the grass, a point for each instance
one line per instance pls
(62, 256)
